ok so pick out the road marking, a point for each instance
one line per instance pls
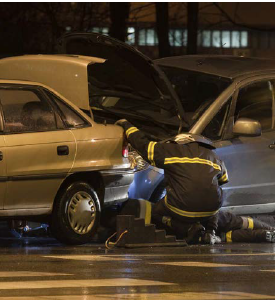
(223, 295)
(30, 274)
(197, 264)
(128, 256)
(92, 257)
(46, 284)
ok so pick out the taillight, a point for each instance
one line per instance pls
(125, 149)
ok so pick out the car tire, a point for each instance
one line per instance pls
(76, 214)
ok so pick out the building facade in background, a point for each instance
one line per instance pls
(242, 29)
(235, 28)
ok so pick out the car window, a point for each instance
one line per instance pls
(26, 111)
(70, 117)
(215, 128)
(196, 90)
(255, 102)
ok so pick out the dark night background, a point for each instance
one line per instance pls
(157, 29)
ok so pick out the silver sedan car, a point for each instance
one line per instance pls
(230, 100)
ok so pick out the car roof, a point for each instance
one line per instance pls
(220, 65)
(39, 84)
(66, 74)
(78, 59)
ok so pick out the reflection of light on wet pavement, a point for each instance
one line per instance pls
(30, 274)
(92, 257)
(79, 283)
(224, 295)
(198, 264)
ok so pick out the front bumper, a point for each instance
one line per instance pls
(116, 183)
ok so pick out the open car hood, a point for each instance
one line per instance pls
(125, 70)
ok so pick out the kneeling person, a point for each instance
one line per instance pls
(193, 174)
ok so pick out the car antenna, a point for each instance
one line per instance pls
(215, 52)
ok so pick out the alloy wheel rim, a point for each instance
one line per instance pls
(81, 212)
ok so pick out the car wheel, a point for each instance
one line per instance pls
(76, 214)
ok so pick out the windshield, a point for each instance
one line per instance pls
(196, 91)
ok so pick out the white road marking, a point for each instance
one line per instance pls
(92, 257)
(197, 264)
(30, 274)
(223, 295)
(128, 256)
(79, 283)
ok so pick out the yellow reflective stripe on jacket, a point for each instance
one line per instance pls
(225, 176)
(187, 160)
(229, 237)
(250, 223)
(189, 214)
(150, 151)
(130, 131)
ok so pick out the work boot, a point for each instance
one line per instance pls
(270, 236)
(211, 238)
(194, 233)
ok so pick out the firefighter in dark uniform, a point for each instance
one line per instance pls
(232, 228)
(193, 175)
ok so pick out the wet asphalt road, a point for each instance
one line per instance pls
(41, 268)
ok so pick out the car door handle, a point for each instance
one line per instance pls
(272, 146)
(63, 150)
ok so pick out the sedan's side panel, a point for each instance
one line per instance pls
(99, 148)
(34, 168)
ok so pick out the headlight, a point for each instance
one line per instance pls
(137, 162)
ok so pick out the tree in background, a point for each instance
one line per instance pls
(162, 25)
(192, 27)
(119, 15)
(34, 27)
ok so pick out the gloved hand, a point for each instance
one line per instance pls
(211, 238)
(120, 122)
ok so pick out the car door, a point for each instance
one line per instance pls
(39, 150)
(251, 160)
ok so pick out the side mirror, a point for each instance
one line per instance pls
(247, 127)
